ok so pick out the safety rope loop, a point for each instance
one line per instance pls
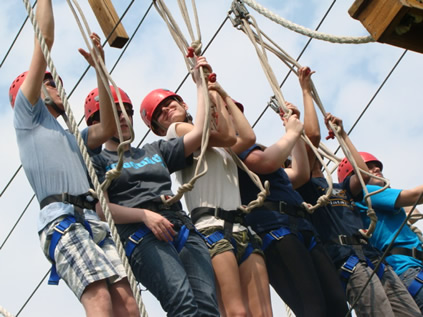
(87, 160)
(305, 31)
(201, 161)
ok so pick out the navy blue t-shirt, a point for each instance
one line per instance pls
(340, 217)
(262, 220)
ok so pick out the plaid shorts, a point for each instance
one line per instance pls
(79, 260)
(242, 239)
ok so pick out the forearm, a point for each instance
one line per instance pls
(245, 133)
(299, 173)
(311, 122)
(409, 197)
(224, 134)
(122, 214)
(277, 153)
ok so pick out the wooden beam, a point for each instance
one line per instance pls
(107, 18)
(395, 22)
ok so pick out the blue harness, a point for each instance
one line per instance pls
(136, 238)
(276, 235)
(216, 236)
(59, 231)
(350, 264)
(416, 284)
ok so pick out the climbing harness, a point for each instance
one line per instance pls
(416, 284)
(137, 237)
(100, 67)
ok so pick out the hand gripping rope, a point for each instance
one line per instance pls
(102, 70)
(243, 21)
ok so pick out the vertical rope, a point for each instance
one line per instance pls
(86, 157)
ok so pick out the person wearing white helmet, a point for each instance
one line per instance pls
(72, 236)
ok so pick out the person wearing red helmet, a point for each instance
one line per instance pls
(238, 263)
(72, 236)
(338, 224)
(391, 207)
(165, 253)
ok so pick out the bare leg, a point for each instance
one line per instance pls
(124, 303)
(96, 300)
(228, 285)
(255, 286)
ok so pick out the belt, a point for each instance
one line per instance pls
(158, 205)
(84, 201)
(417, 254)
(284, 208)
(350, 240)
(232, 216)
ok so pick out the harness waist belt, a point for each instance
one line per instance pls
(232, 216)
(84, 201)
(350, 240)
(415, 253)
(283, 207)
(157, 205)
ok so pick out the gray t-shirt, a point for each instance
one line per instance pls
(50, 157)
(145, 175)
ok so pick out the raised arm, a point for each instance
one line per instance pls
(245, 136)
(355, 185)
(31, 87)
(408, 197)
(192, 140)
(274, 156)
(311, 122)
(99, 133)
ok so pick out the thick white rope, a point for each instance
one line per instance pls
(5, 313)
(257, 38)
(305, 31)
(85, 155)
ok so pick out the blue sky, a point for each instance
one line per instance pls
(347, 76)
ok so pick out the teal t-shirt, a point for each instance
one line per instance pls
(389, 221)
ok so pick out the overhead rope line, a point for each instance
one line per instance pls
(188, 73)
(297, 59)
(305, 31)
(15, 39)
(246, 22)
(100, 67)
(80, 78)
(188, 52)
(73, 89)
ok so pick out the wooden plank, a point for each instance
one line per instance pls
(107, 18)
(388, 21)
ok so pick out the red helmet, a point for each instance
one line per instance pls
(92, 104)
(345, 168)
(150, 103)
(16, 84)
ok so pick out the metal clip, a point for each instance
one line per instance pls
(240, 12)
(273, 103)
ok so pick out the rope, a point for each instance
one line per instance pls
(305, 31)
(182, 44)
(246, 23)
(4, 312)
(83, 149)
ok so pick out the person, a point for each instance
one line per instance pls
(406, 253)
(72, 236)
(338, 224)
(166, 254)
(299, 269)
(238, 263)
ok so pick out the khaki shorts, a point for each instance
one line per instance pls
(79, 260)
(243, 241)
